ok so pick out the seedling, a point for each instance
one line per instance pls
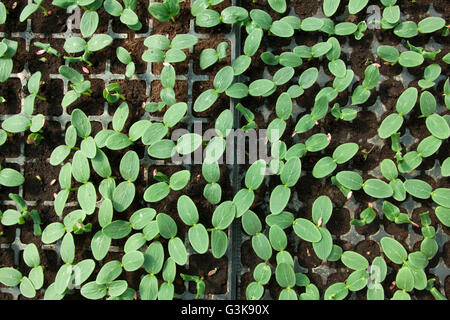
(165, 11)
(77, 45)
(161, 49)
(32, 8)
(12, 217)
(411, 275)
(78, 84)
(8, 49)
(112, 93)
(431, 73)
(33, 87)
(209, 18)
(249, 117)
(199, 283)
(127, 15)
(371, 78)
(341, 154)
(47, 48)
(200, 5)
(426, 54)
(209, 57)
(365, 217)
(124, 56)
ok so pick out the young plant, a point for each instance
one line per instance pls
(11, 277)
(222, 81)
(33, 87)
(408, 59)
(90, 19)
(365, 217)
(158, 191)
(165, 11)
(46, 47)
(249, 117)
(428, 246)
(112, 93)
(356, 281)
(209, 18)
(343, 153)
(346, 114)
(411, 275)
(77, 45)
(209, 57)
(19, 123)
(212, 191)
(127, 15)
(431, 73)
(200, 5)
(426, 54)
(392, 123)
(32, 8)
(161, 49)
(12, 217)
(8, 49)
(199, 284)
(390, 173)
(371, 78)
(392, 213)
(391, 12)
(78, 84)
(124, 56)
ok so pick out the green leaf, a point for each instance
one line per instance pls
(279, 198)
(89, 23)
(117, 229)
(67, 249)
(166, 225)
(11, 178)
(251, 223)
(93, 291)
(437, 126)
(205, 100)
(388, 53)
(441, 196)
(154, 257)
(430, 24)
(188, 143)
(99, 42)
(345, 152)
(410, 59)
(323, 248)
(350, 180)
(16, 124)
(162, 149)
(324, 167)
(109, 272)
(306, 230)
(179, 180)
(393, 250)
(405, 279)
(322, 208)
(406, 101)
(187, 210)
(390, 125)
(156, 192)
(132, 260)
(219, 243)
(53, 232)
(198, 237)
(10, 277)
(418, 188)
(243, 199)
(317, 142)
(177, 251)
(260, 87)
(354, 260)
(224, 215)
(377, 188)
(337, 291)
(27, 288)
(291, 171)
(330, 7)
(277, 238)
(261, 246)
(100, 244)
(31, 255)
